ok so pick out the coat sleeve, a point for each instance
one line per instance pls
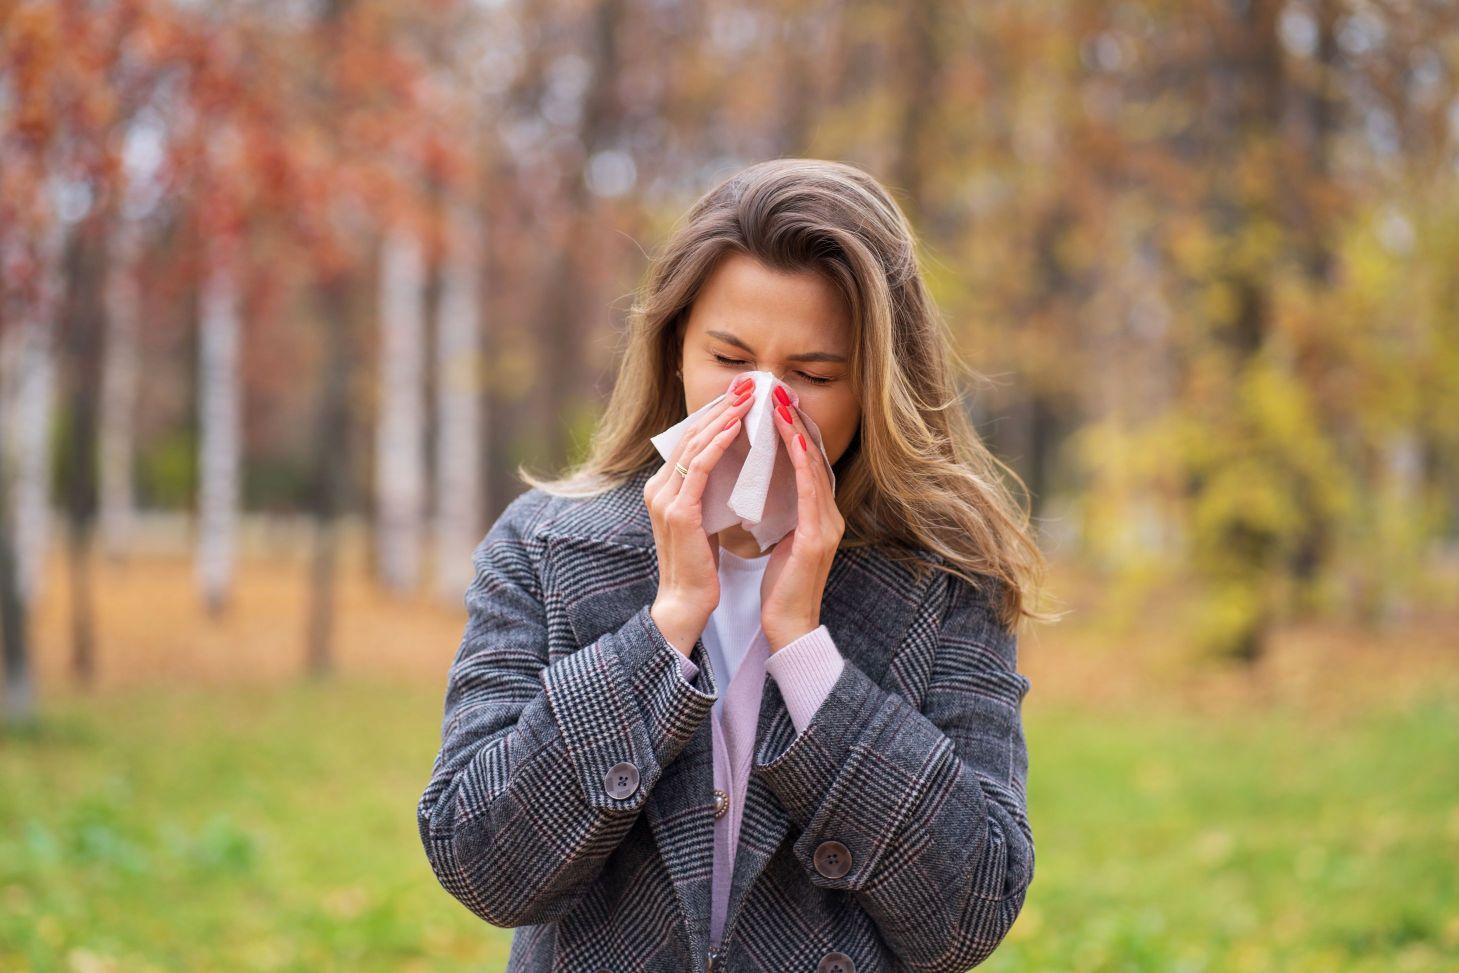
(930, 804)
(518, 818)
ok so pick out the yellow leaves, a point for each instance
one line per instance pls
(1227, 615)
(1255, 251)
(1242, 513)
(1290, 434)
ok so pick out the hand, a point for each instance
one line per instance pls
(795, 576)
(688, 556)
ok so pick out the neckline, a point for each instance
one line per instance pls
(734, 562)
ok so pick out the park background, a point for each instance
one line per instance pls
(291, 290)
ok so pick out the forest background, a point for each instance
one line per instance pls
(290, 291)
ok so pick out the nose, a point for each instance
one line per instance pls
(789, 390)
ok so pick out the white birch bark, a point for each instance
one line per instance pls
(400, 425)
(29, 406)
(458, 397)
(219, 393)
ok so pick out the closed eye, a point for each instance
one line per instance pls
(813, 379)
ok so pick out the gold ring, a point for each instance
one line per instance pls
(679, 468)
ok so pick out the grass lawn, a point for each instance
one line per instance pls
(274, 829)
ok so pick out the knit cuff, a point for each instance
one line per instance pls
(805, 669)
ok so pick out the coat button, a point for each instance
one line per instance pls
(836, 963)
(832, 860)
(622, 780)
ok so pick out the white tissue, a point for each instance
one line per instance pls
(753, 484)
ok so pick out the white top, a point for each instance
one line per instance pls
(735, 622)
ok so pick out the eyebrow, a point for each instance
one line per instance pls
(823, 356)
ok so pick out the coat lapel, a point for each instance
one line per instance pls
(867, 606)
(605, 566)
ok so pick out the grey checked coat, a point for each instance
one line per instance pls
(916, 763)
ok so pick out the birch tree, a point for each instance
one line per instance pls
(219, 393)
(30, 396)
(400, 424)
(458, 394)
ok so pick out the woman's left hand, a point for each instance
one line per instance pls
(795, 576)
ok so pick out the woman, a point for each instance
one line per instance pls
(618, 779)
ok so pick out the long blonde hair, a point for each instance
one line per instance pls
(835, 219)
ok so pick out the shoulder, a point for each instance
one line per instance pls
(521, 519)
(960, 605)
(616, 513)
(970, 620)
(518, 545)
(960, 598)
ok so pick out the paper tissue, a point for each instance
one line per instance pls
(753, 484)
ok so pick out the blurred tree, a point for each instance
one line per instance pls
(1197, 255)
(400, 433)
(219, 410)
(121, 371)
(458, 394)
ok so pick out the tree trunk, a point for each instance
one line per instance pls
(219, 419)
(331, 473)
(29, 354)
(83, 323)
(921, 81)
(18, 700)
(400, 426)
(119, 391)
(570, 287)
(458, 385)
(26, 385)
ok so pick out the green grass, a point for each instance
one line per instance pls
(1262, 844)
(274, 830)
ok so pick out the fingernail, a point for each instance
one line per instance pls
(741, 399)
(730, 423)
(801, 440)
(782, 395)
(784, 412)
(740, 384)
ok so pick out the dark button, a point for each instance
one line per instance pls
(622, 780)
(832, 860)
(836, 963)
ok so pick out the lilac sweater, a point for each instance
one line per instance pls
(805, 670)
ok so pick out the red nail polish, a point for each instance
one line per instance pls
(730, 423)
(801, 440)
(784, 412)
(782, 395)
(741, 399)
(740, 384)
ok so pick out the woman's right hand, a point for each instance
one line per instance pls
(688, 555)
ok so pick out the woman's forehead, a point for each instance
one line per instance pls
(769, 311)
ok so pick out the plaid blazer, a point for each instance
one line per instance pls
(572, 797)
